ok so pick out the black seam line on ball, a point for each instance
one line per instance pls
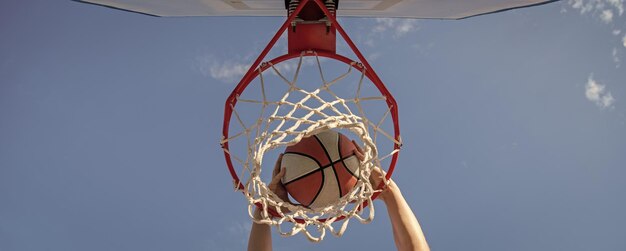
(340, 159)
(319, 169)
(348, 169)
(306, 174)
(318, 192)
(331, 161)
(344, 163)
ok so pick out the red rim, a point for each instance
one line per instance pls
(252, 73)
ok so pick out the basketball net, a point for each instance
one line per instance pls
(292, 116)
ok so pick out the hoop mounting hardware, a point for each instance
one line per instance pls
(312, 29)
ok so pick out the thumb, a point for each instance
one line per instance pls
(279, 175)
(282, 172)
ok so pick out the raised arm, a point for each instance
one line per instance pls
(407, 232)
(261, 234)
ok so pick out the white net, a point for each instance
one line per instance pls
(305, 105)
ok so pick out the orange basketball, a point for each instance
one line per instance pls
(320, 169)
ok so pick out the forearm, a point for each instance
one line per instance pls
(407, 232)
(260, 236)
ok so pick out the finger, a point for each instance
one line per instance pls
(278, 176)
(358, 151)
(277, 165)
(358, 148)
(359, 155)
(379, 171)
(282, 172)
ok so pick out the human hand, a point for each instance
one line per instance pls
(377, 176)
(276, 185)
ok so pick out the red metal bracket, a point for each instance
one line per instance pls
(312, 30)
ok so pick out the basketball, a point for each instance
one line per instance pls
(320, 169)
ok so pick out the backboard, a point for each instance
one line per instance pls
(428, 9)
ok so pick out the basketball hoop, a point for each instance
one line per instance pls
(301, 112)
(312, 29)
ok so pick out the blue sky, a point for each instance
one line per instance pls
(514, 128)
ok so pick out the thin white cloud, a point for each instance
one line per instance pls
(289, 68)
(607, 11)
(386, 30)
(228, 70)
(383, 24)
(581, 6)
(603, 8)
(232, 70)
(618, 5)
(597, 93)
(606, 16)
(404, 27)
(397, 27)
(373, 56)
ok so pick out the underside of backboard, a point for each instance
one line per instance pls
(428, 9)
